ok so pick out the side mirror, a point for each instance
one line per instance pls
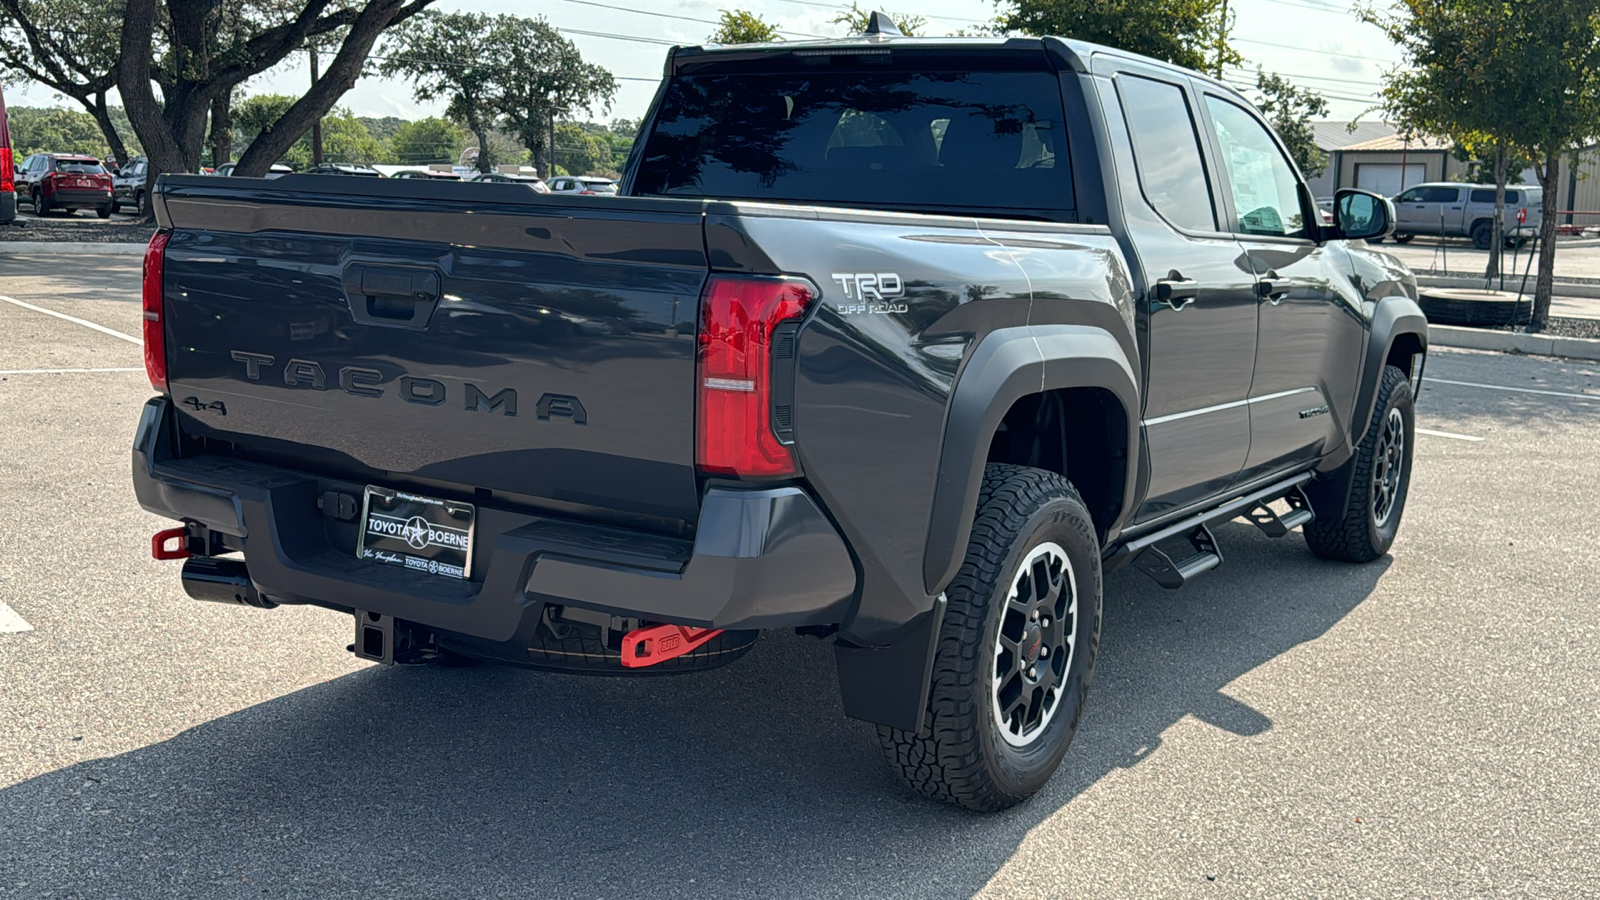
(1362, 214)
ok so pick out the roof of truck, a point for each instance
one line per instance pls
(1071, 53)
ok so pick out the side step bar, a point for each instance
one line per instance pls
(1150, 557)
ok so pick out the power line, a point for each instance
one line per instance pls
(646, 12)
(1279, 45)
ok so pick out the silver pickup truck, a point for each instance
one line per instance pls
(1467, 210)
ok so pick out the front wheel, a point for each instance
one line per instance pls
(1016, 647)
(1380, 481)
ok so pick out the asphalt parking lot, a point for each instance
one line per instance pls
(1424, 726)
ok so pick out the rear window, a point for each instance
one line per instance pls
(988, 140)
(79, 167)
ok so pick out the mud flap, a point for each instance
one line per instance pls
(889, 685)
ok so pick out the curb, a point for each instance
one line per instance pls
(104, 249)
(1588, 288)
(1508, 342)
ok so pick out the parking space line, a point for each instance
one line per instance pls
(84, 322)
(10, 622)
(65, 371)
(1446, 434)
(1515, 390)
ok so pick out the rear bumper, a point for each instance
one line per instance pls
(760, 558)
(78, 199)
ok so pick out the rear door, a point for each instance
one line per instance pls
(1199, 302)
(464, 340)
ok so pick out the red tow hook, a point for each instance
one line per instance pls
(658, 643)
(158, 544)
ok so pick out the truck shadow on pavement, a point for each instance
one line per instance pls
(743, 781)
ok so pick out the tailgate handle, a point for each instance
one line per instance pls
(391, 296)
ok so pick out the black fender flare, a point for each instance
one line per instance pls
(1007, 365)
(1395, 315)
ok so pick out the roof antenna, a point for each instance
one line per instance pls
(880, 25)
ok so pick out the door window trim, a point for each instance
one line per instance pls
(1312, 217)
(1207, 161)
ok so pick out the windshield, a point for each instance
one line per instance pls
(79, 167)
(888, 138)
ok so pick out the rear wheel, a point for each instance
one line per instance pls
(1379, 482)
(1403, 238)
(41, 206)
(103, 212)
(1016, 647)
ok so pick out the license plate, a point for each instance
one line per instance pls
(423, 534)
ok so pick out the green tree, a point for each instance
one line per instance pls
(743, 27)
(856, 19)
(1191, 33)
(344, 137)
(1502, 77)
(425, 142)
(69, 46)
(548, 79)
(1290, 109)
(464, 59)
(381, 127)
(40, 129)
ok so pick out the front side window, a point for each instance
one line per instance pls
(1442, 195)
(1166, 152)
(896, 136)
(1412, 196)
(1266, 195)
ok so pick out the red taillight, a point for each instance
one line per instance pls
(734, 432)
(155, 335)
(8, 175)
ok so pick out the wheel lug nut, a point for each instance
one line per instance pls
(1044, 623)
(1044, 652)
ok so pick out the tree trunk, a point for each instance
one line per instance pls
(102, 117)
(1502, 160)
(1547, 169)
(221, 128)
(485, 155)
(270, 145)
(139, 98)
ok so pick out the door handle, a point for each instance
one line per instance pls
(1273, 288)
(1171, 290)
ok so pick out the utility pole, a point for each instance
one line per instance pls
(1222, 37)
(316, 127)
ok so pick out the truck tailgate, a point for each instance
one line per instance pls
(470, 336)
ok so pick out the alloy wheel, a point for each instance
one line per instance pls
(1034, 647)
(1388, 466)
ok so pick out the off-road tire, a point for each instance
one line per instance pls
(963, 757)
(1359, 536)
(1482, 235)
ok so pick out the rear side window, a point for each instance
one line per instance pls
(1166, 151)
(1479, 195)
(887, 138)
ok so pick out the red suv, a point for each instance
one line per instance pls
(52, 181)
(8, 177)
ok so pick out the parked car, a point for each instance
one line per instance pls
(910, 395)
(66, 181)
(344, 169)
(580, 184)
(1467, 210)
(532, 181)
(276, 170)
(427, 174)
(127, 185)
(8, 172)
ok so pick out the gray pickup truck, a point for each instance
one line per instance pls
(901, 343)
(1467, 210)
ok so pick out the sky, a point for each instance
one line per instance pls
(1315, 43)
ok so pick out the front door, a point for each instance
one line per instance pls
(1309, 321)
(1199, 311)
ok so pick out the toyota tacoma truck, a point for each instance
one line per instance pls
(901, 343)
